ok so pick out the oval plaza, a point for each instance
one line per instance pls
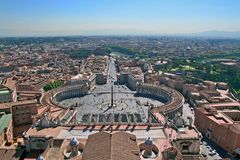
(118, 104)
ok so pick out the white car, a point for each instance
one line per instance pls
(204, 143)
(209, 148)
(212, 153)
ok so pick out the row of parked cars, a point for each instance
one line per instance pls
(211, 151)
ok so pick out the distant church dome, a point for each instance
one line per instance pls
(149, 141)
(74, 142)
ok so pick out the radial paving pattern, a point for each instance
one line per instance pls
(98, 103)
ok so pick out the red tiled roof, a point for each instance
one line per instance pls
(105, 146)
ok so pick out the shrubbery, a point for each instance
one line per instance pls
(52, 85)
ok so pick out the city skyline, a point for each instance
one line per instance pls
(62, 18)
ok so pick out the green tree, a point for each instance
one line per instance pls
(52, 85)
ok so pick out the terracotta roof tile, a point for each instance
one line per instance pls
(116, 146)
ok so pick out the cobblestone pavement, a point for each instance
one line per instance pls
(99, 100)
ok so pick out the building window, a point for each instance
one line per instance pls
(185, 148)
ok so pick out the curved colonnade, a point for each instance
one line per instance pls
(174, 99)
(53, 97)
(69, 92)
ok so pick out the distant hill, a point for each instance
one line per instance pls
(217, 34)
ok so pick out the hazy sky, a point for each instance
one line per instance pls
(99, 17)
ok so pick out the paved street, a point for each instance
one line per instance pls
(187, 112)
(206, 151)
(220, 152)
(112, 74)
